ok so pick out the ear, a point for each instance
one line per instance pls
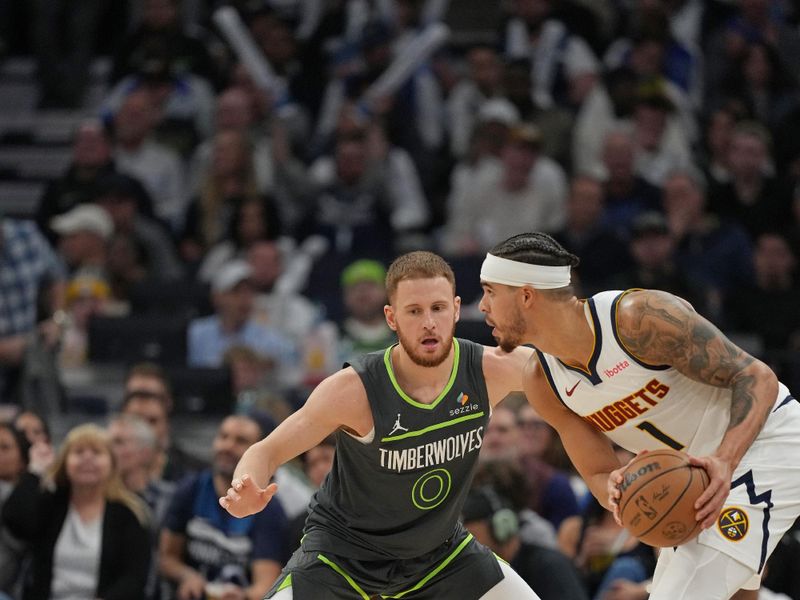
(457, 303)
(528, 295)
(388, 312)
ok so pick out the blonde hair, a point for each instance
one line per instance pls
(417, 265)
(115, 490)
(212, 198)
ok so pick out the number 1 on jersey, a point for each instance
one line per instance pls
(662, 437)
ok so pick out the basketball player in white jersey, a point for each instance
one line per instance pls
(641, 368)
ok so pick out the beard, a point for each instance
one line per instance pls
(425, 360)
(513, 333)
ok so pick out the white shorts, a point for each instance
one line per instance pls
(763, 503)
(765, 492)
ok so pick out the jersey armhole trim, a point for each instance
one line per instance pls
(549, 376)
(614, 325)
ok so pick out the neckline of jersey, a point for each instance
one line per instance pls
(387, 360)
(590, 369)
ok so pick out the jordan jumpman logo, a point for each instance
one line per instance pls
(397, 426)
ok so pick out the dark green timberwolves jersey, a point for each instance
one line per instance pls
(400, 495)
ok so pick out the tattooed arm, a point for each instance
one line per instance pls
(661, 329)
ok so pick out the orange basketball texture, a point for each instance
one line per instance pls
(659, 490)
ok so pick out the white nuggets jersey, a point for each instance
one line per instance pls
(638, 406)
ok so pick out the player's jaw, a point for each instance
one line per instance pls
(508, 333)
(430, 349)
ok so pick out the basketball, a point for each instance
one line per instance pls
(659, 490)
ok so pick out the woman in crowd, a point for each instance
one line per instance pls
(14, 448)
(86, 530)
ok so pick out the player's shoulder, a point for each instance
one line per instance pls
(633, 304)
(496, 361)
(344, 381)
(495, 357)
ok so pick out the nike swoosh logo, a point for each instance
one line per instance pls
(572, 389)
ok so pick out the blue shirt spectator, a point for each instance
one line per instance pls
(201, 543)
(209, 338)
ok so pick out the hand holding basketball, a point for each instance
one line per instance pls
(711, 501)
(658, 493)
(245, 498)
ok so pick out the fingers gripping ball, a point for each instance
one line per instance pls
(658, 493)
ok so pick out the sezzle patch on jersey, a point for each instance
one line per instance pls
(619, 412)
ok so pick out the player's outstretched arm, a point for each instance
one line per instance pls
(339, 401)
(588, 449)
(662, 329)
(503, 371)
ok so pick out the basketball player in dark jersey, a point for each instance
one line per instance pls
(409, 424)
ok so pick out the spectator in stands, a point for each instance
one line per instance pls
(117, 196)
(751, 22)
(184, 102)
(278, 303)
(138, 154)
(303, 83)
(412, 115)
(91, 162)
(202, 543)
(148, 395)
(766, 307)
(233, 324)
(714, 254)
(252, 380)
(495, 523)
(86, 297)
(567, 68)
(715, 153)
(235, 111)
(528, 190)
(753, 196)
(30, 276)
(364, 327)
(84, 233)
(602, 251)
(553, 121)
(317, 463)
(254, 220)
(493, 125)
(354, 198)
(482, 83)
(549, 492)
(760, 82)
(658, 147)
(34, 426)
(161, 26)
(626, 193)
(653, 251)
(229, 183)
(88, 532)
(136, 450)
(14, 448)
(654, 51)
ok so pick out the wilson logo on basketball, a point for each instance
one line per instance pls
(643, 470)
(733, 523)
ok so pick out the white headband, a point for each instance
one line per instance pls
(517, 274)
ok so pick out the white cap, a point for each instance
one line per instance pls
(84, 217)
(500, 110)
(230, 275)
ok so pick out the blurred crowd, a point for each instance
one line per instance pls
(222, 237)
